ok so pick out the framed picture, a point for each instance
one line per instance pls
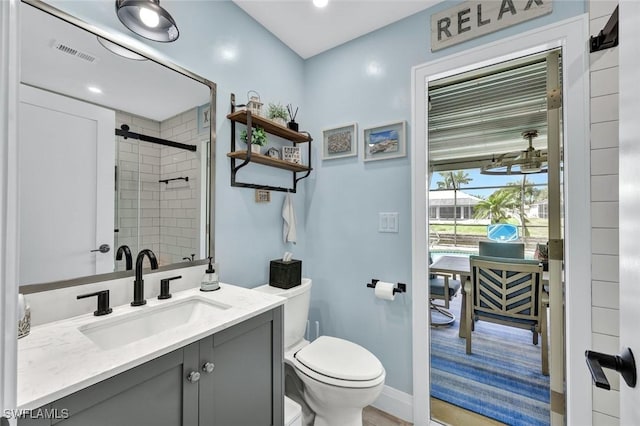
(204, 118)
(291, 154)
(340, 142)
(385, 141)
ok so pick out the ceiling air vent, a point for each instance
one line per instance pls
(64, 48)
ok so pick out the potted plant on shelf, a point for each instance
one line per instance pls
(278, 114)
(258, 139)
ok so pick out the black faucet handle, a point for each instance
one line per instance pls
(103, 302)
(164, 287)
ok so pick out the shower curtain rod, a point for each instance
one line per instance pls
(124, 132)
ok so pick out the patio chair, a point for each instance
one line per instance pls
(495, 249)
(508, 292)
(442, 287)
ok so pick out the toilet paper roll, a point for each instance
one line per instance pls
(384, 290)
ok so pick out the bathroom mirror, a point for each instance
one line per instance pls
(116, 149)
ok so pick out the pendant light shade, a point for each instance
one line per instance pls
(147, 19)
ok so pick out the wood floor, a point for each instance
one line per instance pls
(441, 411)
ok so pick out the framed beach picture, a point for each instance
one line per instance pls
(340, 142)
(385, 141)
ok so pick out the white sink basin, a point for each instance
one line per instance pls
(116, 332)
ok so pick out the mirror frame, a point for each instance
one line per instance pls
(54, 285)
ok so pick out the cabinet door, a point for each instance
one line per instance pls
(246, 385)
(153, 394)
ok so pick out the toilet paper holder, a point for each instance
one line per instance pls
(400, 287)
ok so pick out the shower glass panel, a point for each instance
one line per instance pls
(160, 202)
(127, 203)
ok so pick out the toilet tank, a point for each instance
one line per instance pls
(296, 309)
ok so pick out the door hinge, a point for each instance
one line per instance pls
(556, 249)
(554, 98)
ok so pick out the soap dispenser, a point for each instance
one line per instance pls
(210, 279)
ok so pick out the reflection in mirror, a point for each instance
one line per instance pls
(114, 155)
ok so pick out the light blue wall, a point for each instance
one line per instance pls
(248, 235)
(344, 248)
(337, 208)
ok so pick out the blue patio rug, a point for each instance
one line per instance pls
(501, 379)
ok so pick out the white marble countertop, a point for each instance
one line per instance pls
(56, 359)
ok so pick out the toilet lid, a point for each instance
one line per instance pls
(340, 359)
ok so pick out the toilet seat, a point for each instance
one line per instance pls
(338, 362)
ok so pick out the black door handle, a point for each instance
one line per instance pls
(623, 364)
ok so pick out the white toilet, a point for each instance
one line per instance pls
(337, 378)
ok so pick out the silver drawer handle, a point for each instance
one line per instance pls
(193, 377)
(208, 367)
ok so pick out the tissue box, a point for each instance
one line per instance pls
(285, 274)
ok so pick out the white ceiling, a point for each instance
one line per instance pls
(308, 30)
(132, 86)
(143, 88)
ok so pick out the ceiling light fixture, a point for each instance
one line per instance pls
(147, 19)
(119, 50)
(528, 161)
(320, 3)
(94, 89)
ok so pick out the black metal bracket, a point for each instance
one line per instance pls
(608, 37)
(623, 364)
(400, 287)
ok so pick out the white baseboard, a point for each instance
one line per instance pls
(396, 403)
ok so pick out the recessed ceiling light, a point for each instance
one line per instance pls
(94, 89)
(320, 3)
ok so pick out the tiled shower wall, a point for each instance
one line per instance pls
(138, 221)
(604, 212)
(166, 217)
(179, 200)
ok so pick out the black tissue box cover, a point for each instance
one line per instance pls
(285, 274)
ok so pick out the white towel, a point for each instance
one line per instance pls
(289, 216)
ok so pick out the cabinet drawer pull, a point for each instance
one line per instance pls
(193, 377)
(208, 367)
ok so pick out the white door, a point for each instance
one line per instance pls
(66, 185)
(629, 199)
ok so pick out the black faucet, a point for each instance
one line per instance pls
(103, 302)
(138, 284)
(127, 255)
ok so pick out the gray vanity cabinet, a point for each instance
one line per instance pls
(247, 375)
(242, 386)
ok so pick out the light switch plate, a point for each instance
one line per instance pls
(388, 222)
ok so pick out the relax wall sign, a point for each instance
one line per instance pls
(474, 18)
